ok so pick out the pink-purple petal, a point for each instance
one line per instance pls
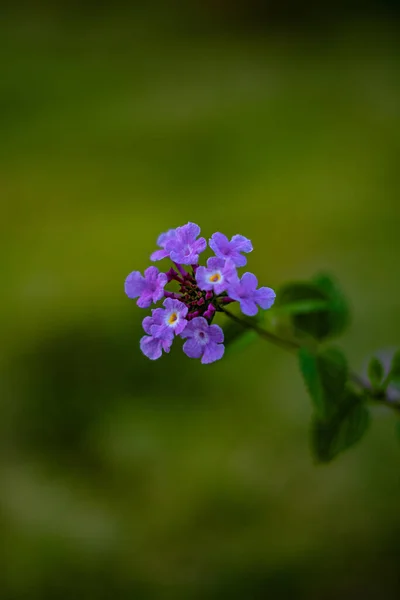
(241, 243)
(159, 255)
(145, 300)
(202, 279)
(238, 259)
(192, 348)
(164, 237)
(214, 262)
(151, 347)
(219, 243)
(216, 334)
(248, 307)
(134, 284)
(147, 323)
(265, 297)
(249, 282)
(212, 352)
(188, 233)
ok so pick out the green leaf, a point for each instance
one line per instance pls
(341, 417)
(375, 372)
(298, 292)
(394, 374)
(325, 375)
(339, 312)
(316, 308)
(303, 307)
(343, 430)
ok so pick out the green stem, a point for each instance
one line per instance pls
(270, 337)
(293, 345)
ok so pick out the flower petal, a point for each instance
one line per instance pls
(159, 255)
(145, 300)
(214, 262)
(192, 348)
(147, 323)
(248, 307)
(188, 233)
(249, 282)
(219, 243)
(238, 259)
(202, 279)
(151, 347)
(151, 273)
(241, 243)
(181, 326)
(216, 334)
(212, 352)
(265, 297)
(134, 284)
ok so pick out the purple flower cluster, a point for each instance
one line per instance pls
(203, 290)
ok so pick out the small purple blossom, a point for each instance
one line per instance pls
(172, 318)
(183, 248)
(225, 249)
(216, 276)
(245, 292)
(162, 241)
(149, 288)
(152, 346)
(203, 340)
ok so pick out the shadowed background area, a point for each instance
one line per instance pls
(124, 478)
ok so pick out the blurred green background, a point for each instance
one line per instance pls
(124, 478)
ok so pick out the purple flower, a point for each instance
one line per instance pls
(149, 288)
(152, 346)
(161, 241)
(224, 248)
(183, 247)
(245, 291)
(203, 341)
(171, 319)
(216, 276)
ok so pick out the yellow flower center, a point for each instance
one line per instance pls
(172, 318)
(214, 278)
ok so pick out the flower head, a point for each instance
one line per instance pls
(203, 292)
(203, 340)
(245, 292)
(151, 345)
(183, 248)
(216, 276)
(149, 288)
(225, 249)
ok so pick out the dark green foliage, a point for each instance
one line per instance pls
(340, 416)
(316, 308)
(325, 376)
(338, 317)
(375, 372)
(343, 430)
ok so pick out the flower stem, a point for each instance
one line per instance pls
(181, 270)
(271, 337)
(292, 345)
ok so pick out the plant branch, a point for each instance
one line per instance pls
(270, 337)
(293, 345)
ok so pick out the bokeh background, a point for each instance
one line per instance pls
(123, 478)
